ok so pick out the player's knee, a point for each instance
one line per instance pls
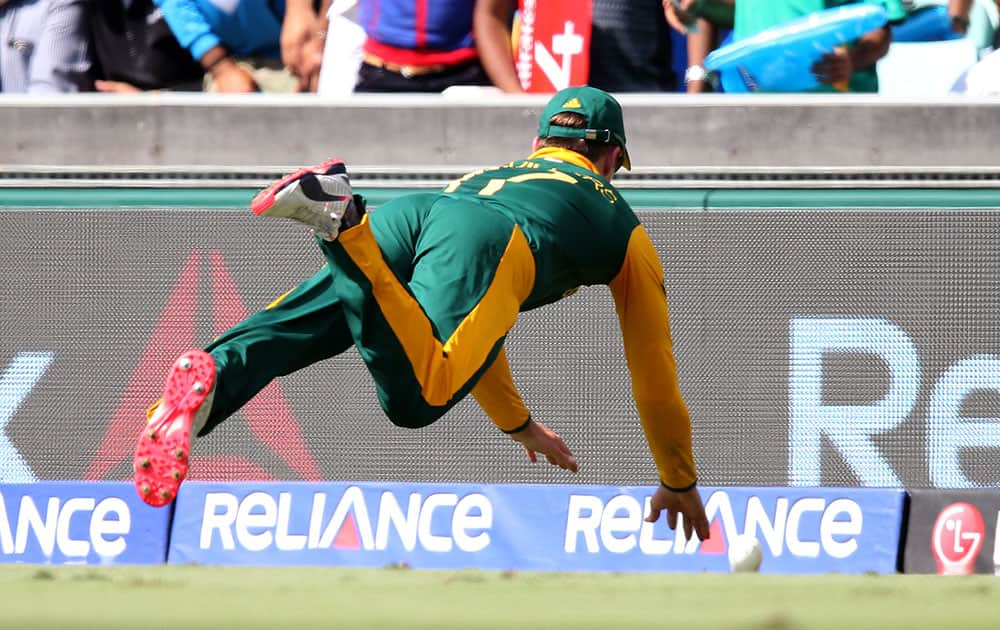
(412, 415)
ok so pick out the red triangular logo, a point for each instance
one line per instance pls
(716, 543)
(173, 334)
(347, 538)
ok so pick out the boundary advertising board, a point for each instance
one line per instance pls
(953, 532)
(80, 523)
(816, 346)
(528, 527)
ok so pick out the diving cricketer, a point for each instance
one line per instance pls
(427, 288)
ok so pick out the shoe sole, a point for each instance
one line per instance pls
(266, 198)
(161, 457)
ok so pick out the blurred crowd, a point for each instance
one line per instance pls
(343, 46)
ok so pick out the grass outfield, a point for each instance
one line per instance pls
(181, 597)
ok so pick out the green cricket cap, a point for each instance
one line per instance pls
(600, 110)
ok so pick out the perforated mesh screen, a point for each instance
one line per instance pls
(98, 303)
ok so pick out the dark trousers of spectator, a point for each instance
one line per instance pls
(374, 79)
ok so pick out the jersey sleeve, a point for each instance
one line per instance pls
(496, 394)
(189, 26)
(641, 302)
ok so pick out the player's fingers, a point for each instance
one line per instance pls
(688, 526)
(531, 455)
(562, 461)
(562, 455)
(672, 519)
(561, 445)
(654, 514)
(704, 532)
(566, 462)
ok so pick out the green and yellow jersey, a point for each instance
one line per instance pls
(582, 232)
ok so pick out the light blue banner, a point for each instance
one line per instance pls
(528, 527)
(80, 522)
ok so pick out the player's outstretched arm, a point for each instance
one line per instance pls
(538, 438)
(687, 503)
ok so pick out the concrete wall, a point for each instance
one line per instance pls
(715, 131)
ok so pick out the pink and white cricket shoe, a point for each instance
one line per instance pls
(161, 456)
(319, 197)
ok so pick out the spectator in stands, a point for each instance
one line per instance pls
(135, 50)
(248, 45)
(45, 47)
(851, 67)
(705, 23)
(418, 46)
(977, 20)
(629, 45)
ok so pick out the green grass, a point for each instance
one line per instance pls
(181, 597)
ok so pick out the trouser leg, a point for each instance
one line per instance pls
(300, 328)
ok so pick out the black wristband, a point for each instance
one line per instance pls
(518, 429)
(684, 489)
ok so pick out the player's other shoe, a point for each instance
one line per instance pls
(319, 197)
(161, 457)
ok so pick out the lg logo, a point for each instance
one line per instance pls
(957, 538)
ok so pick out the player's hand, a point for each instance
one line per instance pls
(688, 504)
(538, 438)
(834, 68)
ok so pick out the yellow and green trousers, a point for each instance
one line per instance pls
(426, 288)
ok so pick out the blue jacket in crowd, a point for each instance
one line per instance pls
(247, 28)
